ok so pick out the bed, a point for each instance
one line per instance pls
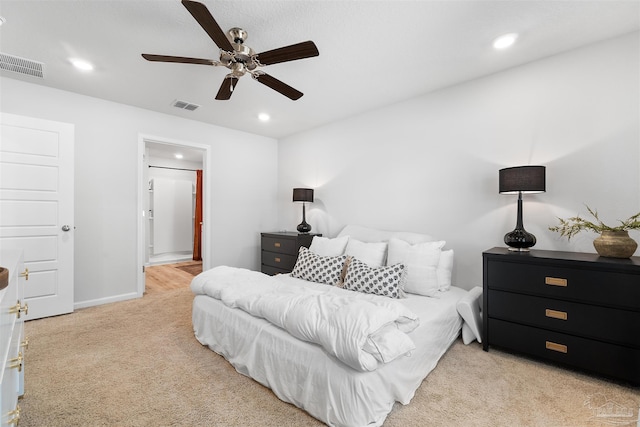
(316, 376)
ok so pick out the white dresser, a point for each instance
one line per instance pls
(12, 340)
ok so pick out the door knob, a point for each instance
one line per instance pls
(66, 228)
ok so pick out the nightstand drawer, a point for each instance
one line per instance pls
(272, 271)
(280, 250)
(608, 359)
(279, 260)
(280, 245)
(588, 321)
(582, 283)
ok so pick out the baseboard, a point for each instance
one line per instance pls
(107, 300)
(170, 258)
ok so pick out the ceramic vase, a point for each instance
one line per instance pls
(615, 244)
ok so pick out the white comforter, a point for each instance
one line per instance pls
(361, 330)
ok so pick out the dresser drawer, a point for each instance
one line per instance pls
(608, 359)
(279, 260)
(589, 321)
(580, 283)
(280, 245)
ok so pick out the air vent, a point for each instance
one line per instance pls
(185, 105)
(21, 65)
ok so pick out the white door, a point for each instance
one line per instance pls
(36, 208)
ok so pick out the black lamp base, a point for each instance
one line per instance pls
(519, 240)
(303, 227)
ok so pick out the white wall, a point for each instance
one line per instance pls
(431, 164)
(171, 218)
(243, 184)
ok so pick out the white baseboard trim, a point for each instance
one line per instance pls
(107, 300)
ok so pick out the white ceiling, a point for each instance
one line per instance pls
(372, 53)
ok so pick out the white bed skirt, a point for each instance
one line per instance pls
(305, 375)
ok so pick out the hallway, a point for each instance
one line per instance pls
(166, 277)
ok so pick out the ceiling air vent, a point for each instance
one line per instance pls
(21, 65)
(185, 105)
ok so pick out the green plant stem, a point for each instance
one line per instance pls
(572, 226)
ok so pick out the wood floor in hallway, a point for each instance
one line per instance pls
(165, 277)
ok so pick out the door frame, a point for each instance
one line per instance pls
(143, 192)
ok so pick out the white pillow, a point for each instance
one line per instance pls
(445, 267)
(372, 254)
(469, 308)
(421, 260)
(325, 246)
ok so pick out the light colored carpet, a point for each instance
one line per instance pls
(137, 363)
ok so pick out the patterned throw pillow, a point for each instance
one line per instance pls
(385, 281)
(316, 268)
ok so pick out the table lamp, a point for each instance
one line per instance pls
(303, 195)
(521, 179)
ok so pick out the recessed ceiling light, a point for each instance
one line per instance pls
(505, 41)
(264, 117)
(178, 156)
(81, 64)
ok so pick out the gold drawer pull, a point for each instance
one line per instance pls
(276, 244)
(16, 309)
(555, 281)
(14, 416)
(555, 314)
(25, 274)
(560, 348)
(16, 362)
(276, 259)
(25, 343)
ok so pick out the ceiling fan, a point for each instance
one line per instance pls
(237, 57)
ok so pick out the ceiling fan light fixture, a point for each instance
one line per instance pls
(237, 57)
(505, 41)
(237, 35)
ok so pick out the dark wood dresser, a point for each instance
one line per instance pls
(577, 309)
(280, 250)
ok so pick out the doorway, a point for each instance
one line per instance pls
(167, 277)
(167, 226)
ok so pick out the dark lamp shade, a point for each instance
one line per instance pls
(303, 194)
(525, 179)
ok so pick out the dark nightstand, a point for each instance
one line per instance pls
(578, 309)
(280, 250)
